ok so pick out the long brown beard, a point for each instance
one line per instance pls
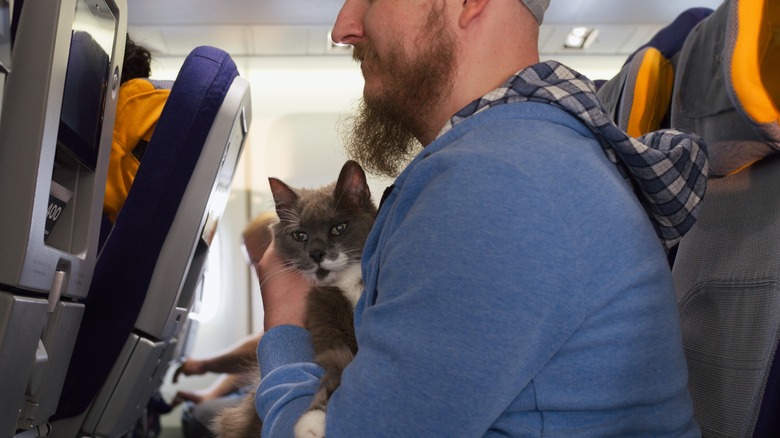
(382, 134)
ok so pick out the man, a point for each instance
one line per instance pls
(514, 284)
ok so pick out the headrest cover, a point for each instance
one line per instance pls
(537, 7)
(734, 109)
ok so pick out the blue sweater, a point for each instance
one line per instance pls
(513, 287)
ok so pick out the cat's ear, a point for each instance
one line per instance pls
(352, 186)
(284, 198)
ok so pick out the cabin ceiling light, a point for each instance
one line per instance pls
(580, 38)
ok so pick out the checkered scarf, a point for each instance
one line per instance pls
(666, 168)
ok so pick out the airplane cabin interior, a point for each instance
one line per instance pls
(97, 311)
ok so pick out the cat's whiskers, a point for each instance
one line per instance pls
(334, 208)
(285, 268)
(291, 217)
(292, 226)
(351, 253)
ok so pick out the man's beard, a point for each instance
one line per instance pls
(382, 135)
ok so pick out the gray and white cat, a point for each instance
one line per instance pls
(321, 233)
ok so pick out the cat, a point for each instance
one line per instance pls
(320, 233)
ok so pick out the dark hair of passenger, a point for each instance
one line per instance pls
(138, 61)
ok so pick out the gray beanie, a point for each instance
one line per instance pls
(537, 7)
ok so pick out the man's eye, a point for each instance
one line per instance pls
(338, 229)
(300, 236)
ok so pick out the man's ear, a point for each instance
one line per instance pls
(471, 10)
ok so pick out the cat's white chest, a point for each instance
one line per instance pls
(350, 281)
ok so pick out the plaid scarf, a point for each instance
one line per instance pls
(666, 168)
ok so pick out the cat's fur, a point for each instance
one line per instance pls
(321, 233)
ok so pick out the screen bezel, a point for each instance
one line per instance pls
(94, 18)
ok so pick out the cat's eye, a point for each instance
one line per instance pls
(338, 229)
(300, 236)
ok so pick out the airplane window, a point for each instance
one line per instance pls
(212, 283)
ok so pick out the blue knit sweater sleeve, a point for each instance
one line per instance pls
(289, 378)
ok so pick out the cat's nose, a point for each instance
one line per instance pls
(317, 255)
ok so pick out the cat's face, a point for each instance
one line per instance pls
(322, 232)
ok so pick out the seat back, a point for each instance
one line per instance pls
(148, 269)
(727, 275)
(646, 94)
(59, 105)
(639, 97)
(727, 269)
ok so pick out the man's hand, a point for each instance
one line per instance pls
(190, 367)
(284, 292)
(197, 397)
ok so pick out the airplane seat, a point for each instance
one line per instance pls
(727, 268)
(148, 270)
(646, 93)
(638, 98)
(58, 107)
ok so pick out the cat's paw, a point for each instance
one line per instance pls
(311, 425)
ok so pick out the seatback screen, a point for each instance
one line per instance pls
(87, 80)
